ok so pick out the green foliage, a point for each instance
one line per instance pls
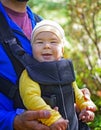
(47, 7)
(96, 124)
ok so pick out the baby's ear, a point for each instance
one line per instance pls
(63, 50)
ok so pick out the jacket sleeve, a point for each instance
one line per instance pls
(7, 113)
(31, 96)
(81, 102)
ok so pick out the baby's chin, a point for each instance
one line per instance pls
(47, 60)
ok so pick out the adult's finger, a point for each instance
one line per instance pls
(34, 115)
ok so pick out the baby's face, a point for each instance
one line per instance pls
(47, 47)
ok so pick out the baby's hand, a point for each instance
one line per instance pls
(61, 124)
(86, 93)
(86, 115)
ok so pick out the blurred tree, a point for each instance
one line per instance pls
(84, 30)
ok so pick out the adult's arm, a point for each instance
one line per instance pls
(10, 119)
(7, 113)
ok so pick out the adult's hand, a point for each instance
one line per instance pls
(29, 120)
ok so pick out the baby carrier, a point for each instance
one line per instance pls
(57, 83)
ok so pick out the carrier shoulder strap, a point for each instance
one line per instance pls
(6, 36)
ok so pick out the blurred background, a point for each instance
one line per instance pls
(81, 20)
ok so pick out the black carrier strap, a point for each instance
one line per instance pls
(7, 36)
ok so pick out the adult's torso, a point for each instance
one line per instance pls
(6, 67)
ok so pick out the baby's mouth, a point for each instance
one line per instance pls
(47, 56)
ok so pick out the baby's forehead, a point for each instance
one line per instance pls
(49, 26)
(48, 32)
(47, 36)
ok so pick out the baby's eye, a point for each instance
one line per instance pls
(54, 42)
(39, 42)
